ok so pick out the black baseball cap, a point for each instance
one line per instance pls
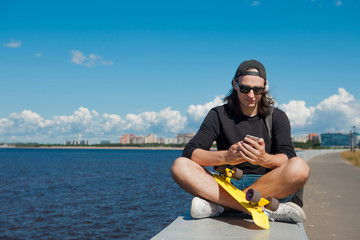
(245, 65)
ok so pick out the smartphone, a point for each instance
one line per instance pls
(253, 138)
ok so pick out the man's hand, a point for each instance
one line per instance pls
(233, 155)
(254, 151)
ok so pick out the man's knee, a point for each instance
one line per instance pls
(298, 170)
(179, 168)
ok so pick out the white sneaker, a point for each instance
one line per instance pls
(201, 208)
(287, 212)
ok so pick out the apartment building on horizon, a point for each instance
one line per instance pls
(76, 142)
(184, 138)
(126, 138)
(305, 138)
(152, 138)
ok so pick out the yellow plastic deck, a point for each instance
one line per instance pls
(256, 212)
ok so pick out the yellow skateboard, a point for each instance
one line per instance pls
(252, 200)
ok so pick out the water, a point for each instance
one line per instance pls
(87, 193)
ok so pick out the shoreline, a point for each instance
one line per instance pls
(104, 148)
(118, 147)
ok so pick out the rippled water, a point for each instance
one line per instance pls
(87, 194)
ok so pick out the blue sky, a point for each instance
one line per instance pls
(98, 69)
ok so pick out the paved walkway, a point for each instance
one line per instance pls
(331, 199)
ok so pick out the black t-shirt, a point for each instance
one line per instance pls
(226, 129)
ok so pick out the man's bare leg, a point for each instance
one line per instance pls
(278, 183)
(197, 181)
(283, 181)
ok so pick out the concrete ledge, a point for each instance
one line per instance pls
(232, 225)
(235, 225)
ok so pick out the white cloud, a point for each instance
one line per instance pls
(77, 57)
(198, 112)
(112, 123)
(255, 3)
(297, 112)
(13, 44)
(5, 124)
(338, 3)
(81, 121)
(30, 126)
(337, 113)
(105, 62)
(164, 122)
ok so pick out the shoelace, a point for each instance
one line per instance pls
(213, 207)
(280, 217)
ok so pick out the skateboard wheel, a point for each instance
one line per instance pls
(273, 204)
(253, 196)
(237, 173)
(220, 169)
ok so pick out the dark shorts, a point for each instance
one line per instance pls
(248, 179)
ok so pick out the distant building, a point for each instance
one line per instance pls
(335, 140)
(76, 142)
(152, 138)
(127, 138)
(300, 139)
(105, 142)
(184, 138)
(5, 145)
(83, 142)
(168, 140)
(313, 137)
(138, 140)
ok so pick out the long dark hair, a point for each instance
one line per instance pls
(265, 103)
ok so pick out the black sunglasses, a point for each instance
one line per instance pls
(246, 89)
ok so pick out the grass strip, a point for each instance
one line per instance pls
(352, 157)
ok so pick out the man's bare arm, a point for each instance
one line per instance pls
(216, 158)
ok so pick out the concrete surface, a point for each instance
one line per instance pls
(331, 199)
(228, 226)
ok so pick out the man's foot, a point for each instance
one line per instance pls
(201, 208)
(287, 212)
